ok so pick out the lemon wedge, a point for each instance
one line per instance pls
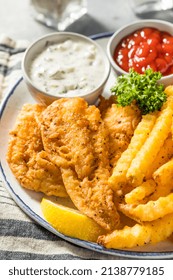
(70, 221)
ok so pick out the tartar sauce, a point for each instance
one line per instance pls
(69, 67)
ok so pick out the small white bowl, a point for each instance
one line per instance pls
(38, 46)
(127, 30)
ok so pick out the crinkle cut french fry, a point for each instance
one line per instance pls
(140, 135)
(163, 156)
(140, 192)
(163, 176)
(147, 154)
(169, 90)
(139, 235)
(150, 211)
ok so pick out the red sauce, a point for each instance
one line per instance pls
(146, 48)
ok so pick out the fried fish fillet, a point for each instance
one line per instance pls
(120, 123)
(75, 139)
(26, 157)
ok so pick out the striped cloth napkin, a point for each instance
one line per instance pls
(20, 236)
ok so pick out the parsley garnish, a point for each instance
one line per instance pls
(141, 88)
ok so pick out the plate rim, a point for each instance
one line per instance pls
(82, 243)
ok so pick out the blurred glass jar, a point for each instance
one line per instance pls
(58, 14)
(144, 7)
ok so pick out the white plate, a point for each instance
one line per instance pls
(29, 201)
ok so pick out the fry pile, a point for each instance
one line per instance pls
(147, 167)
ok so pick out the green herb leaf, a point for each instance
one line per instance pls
(141, 88)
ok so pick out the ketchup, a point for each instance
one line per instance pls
(146, 48)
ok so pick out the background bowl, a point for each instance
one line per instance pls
(37, 47)
(127, 30)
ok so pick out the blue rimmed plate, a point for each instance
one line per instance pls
(29, 201)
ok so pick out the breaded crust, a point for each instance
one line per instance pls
(75, 138)
(120, 123)
(26, 157)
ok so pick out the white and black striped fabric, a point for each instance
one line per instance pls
(21, 237)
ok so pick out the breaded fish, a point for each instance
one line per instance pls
(26, 157)
(76, 140)
(120, 123)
